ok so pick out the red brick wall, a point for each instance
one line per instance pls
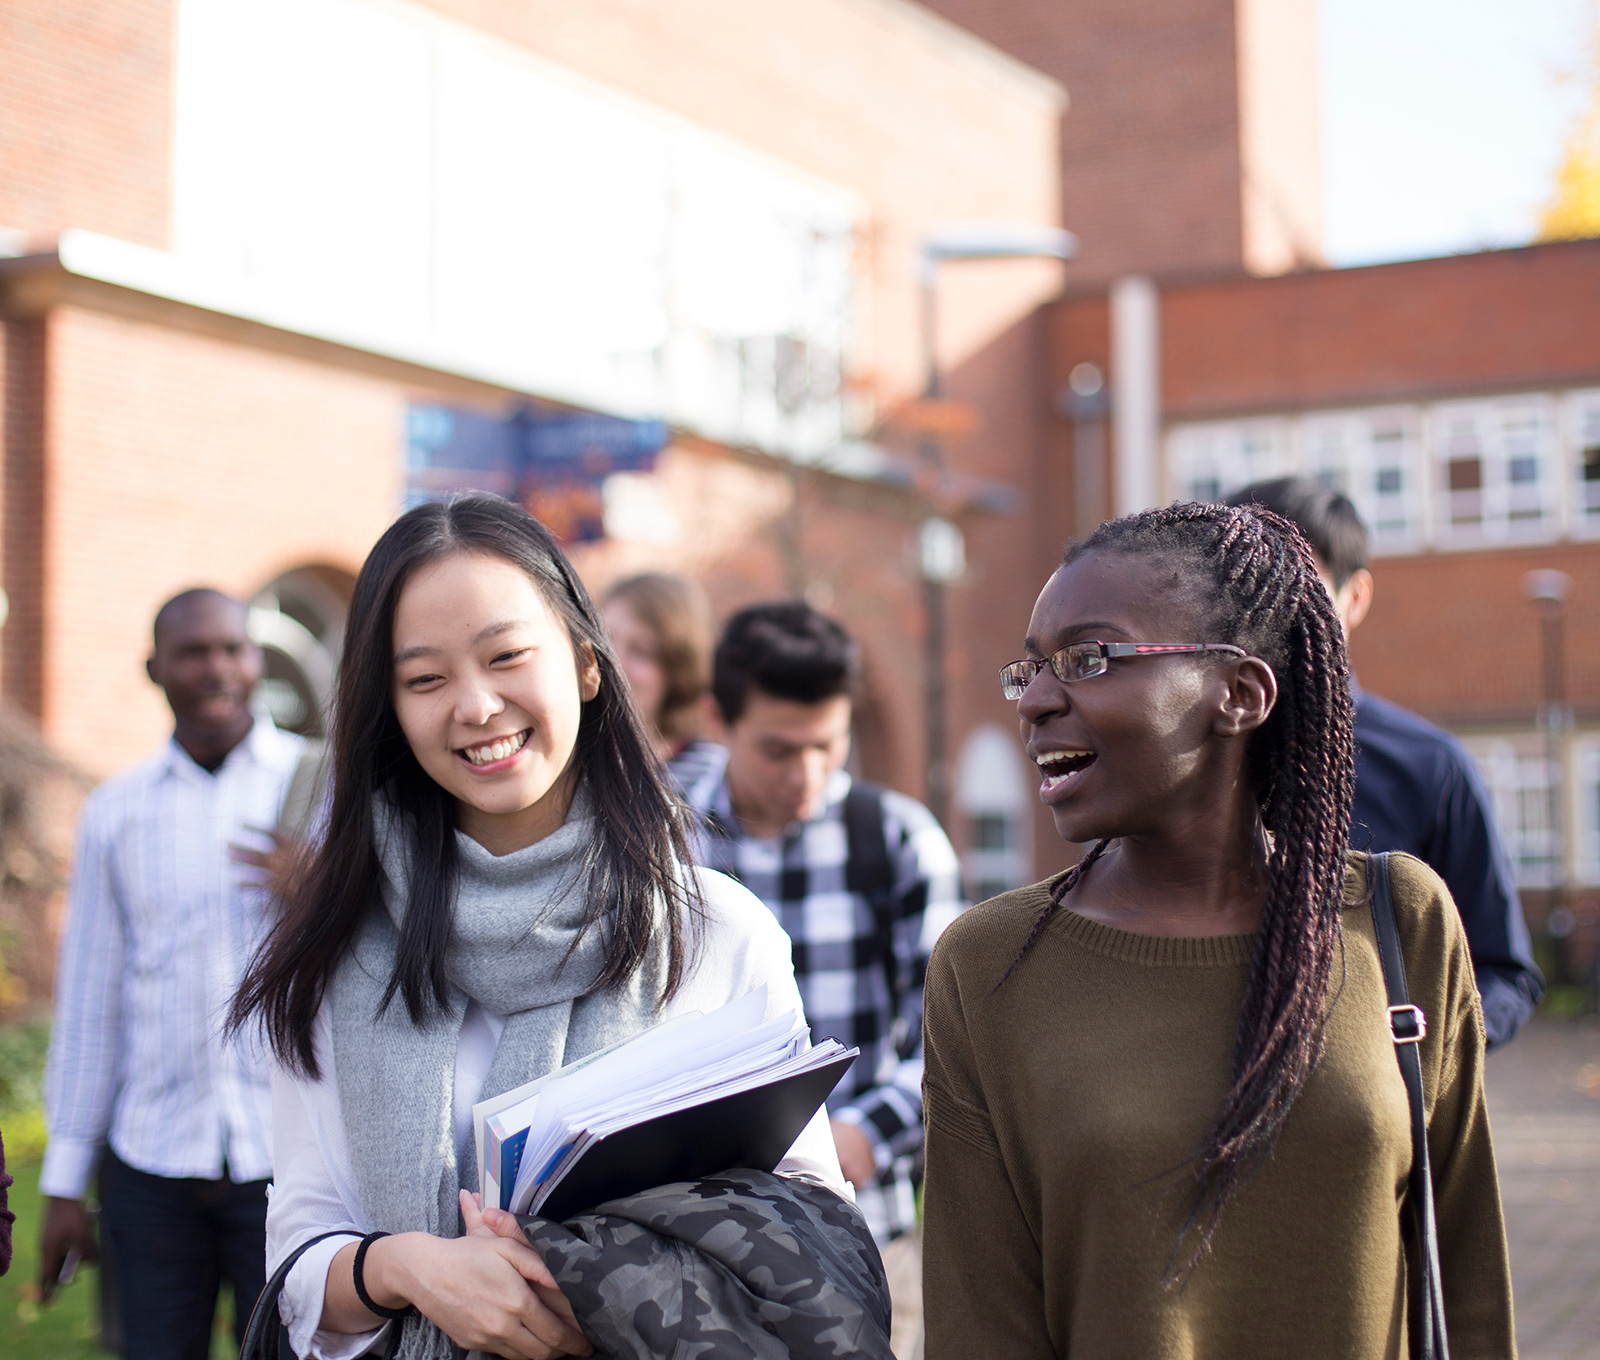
(1452, 636)
(929, 127)
(176, 460)
(1151, 143)
(172, 457)
(1491, 321)
(85, 117)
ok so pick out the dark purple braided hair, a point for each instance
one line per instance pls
(1253, 582)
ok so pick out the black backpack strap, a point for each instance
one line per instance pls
(869, 871)
(1407, 1026)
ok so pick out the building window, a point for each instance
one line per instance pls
(1375, 458)
(1585, 435)
(992, 831)
(1497, 477)
(1459, 474)
(1209, 462)
(1522, 784)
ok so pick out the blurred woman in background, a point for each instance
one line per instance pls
(660, 628)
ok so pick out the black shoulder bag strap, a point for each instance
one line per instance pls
(264, 1338)
(869, 871)
(1407, 1026)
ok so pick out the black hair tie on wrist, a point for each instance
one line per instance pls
(361, 1284)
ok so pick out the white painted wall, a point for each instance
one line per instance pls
(379, 170)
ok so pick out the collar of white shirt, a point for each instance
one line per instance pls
(265, 745)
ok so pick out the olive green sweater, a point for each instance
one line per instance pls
(1058, 1107)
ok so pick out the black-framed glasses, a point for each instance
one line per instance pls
(1083, 660)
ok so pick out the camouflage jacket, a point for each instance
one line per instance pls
(741, 1266)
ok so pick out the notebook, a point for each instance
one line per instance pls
(692, 1096)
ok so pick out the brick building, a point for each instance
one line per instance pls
(260, 255)
(1193, 138)
(271, 260)
(1456, 400)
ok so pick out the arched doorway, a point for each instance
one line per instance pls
(993, 796)
(297, 619)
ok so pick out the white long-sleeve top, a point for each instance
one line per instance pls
(314, 1190)
(160, 927)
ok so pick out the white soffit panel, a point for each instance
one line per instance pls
(370, 171)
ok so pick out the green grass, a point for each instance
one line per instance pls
(67, 1327)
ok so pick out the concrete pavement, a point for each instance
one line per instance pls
(1544, 1107)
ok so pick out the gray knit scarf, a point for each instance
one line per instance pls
(517, 947)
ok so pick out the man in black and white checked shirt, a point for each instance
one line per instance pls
(863, 881)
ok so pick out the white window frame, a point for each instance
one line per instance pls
(1230, 453)
(1581, 428)
(1397, 520)
(1205, 459)
(1507, 510)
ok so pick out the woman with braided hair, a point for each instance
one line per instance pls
(1164, 1113)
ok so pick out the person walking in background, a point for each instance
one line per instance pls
(160, 926)
(1165, 1116)
(1417, 789)
(862, 879)
(661, 628)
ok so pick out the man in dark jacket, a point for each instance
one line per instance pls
(1417, 789)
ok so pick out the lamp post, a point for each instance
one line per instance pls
(1086, 403)
(941, 555)
(1549, 590)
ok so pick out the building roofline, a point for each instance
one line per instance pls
(966, 46)
(1467, 389)
(1222, 277)
(102, 273)
(89, 256)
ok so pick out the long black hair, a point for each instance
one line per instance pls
(640, 835)
(1253, 582)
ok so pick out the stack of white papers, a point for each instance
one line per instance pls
(530, 1140)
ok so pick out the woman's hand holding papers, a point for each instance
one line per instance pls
(487, 1290)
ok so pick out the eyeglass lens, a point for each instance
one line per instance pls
(1077, 662)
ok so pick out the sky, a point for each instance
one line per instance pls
(1444, 120)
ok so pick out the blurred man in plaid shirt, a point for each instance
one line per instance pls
(863, 879)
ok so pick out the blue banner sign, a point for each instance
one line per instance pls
(551, 462)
